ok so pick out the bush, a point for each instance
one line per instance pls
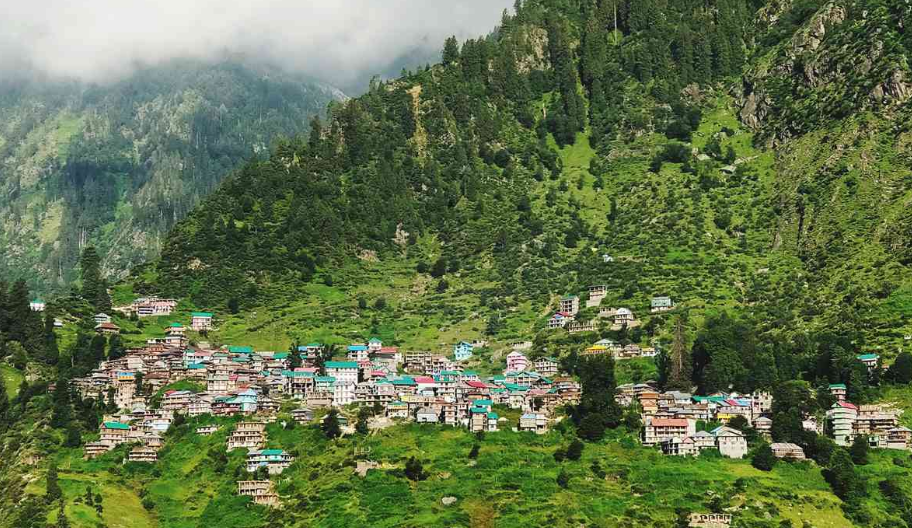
(560, 455)
(563, 479)
(414, 470)
(859, 450)
(575, 450)
(764, 459)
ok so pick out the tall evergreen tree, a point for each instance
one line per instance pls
(598, 409)
(62, 412)
(450, 51)
(94, 287)
(53, 491)
(680, 366)
(4, 407)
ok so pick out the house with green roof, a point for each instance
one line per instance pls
(240, 349)
(870, 360)
(275, 460)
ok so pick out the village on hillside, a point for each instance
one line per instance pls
(417, 386)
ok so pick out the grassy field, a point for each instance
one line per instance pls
(513, 482)
(12, 378)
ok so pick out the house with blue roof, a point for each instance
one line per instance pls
(462, 350)
(358, 352)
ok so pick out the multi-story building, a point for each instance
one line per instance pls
(841, 418)
(247, 435)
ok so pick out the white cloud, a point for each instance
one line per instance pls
(335, 40)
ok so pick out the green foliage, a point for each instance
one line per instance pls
(330, 426)
(598, 410)
(763, 458)
(563, 478)
(52, 488)
(414, 470)
(120, 187)
(575, 450)
(859, 450)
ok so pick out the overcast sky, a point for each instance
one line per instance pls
(339, 41)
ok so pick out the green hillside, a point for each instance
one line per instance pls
(748, 159)
(116, 165)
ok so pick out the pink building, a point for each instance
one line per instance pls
(517, 362)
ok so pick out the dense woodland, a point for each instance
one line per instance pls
(116, 165)
(576, 130)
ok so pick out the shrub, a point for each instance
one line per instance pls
(575, 450)
(764, 459)
(414, 470)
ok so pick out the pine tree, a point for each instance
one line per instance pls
(764, 459)
(94, 287)
(62, 412)
(4, 407)
(62, 521)
(53, 491)
(414, 469)
(450, 51)
(859, 450)
(330, 425)
(598, 409)
(680, 368)
(51, 351)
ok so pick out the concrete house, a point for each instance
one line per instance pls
(841, 417)
(275, 460)
(200, 321)
(534, 422)
(870, 360)
(517, 362)
(730, 442)
(787, 450)
(661, 304)
(427, 415)
(462, 350)
(570, 304)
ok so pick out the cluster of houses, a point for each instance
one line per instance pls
(239, 380)
(879, 423)
(149, 307)
(617, 318)
(175, 334)
(618, 351)
(670, 421)
(144, 429)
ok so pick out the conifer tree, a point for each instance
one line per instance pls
(62, 412)
(53, 491)
(330, 425)
(94, 287)
(680, 368)
(450, 51)
(62, 521)
(4, 407)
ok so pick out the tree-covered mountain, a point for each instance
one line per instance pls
(748, 159)
(582, 128)
(116, 165)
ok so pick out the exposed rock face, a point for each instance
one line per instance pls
(823, 72)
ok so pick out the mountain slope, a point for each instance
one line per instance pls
(117, 165)
(468, 157)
